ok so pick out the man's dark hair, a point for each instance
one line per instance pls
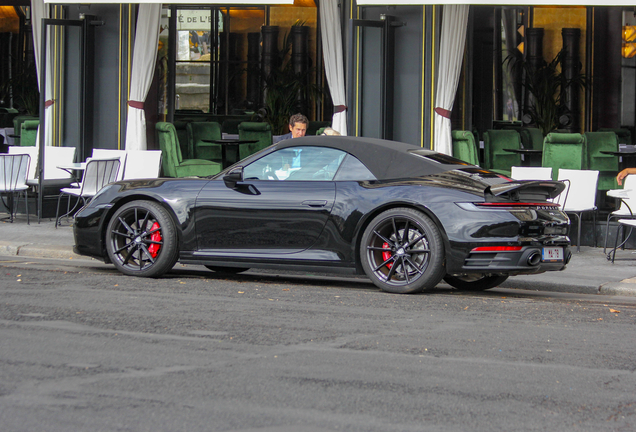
(298, 118)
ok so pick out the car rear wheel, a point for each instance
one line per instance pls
(402, 251)
(141, 239)
(475, 282)
(228, 270)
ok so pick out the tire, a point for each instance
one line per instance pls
(385, 259)
(475, 282)
(227, 270)
(141, 239)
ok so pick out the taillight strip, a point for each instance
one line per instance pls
(496, 249)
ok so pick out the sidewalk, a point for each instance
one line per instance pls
(589, 271)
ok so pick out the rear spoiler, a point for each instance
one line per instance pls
(524, 190)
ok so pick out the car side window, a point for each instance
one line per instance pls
(296, 163)
(352, 169)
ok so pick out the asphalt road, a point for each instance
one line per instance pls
(85, 349)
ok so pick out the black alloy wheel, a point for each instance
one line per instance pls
(141, 239)
(402, 251)
(477, 282)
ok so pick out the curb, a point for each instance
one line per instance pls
(39, 251)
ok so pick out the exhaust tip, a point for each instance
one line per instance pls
(534, 259)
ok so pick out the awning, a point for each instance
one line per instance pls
(187, 2)
(630, 3)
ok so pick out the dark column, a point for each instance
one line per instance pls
(300, 63)
(571, 68)
(253, 71)
(269, 53)
(534, 57)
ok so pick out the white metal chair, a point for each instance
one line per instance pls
(98, 173)
(622, 224)
(531, 173)
(627, 208)
(33, 154)
(13, 174)
(579, 196)
(142, 164)
(112, 154)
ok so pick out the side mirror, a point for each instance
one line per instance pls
(233, 177)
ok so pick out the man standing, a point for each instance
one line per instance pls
(297, 128)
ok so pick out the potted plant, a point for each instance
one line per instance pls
(286, 89)
(548, 88)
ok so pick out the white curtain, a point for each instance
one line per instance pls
(143, 65)
(451, 53)
(39, 11)
(334, 69)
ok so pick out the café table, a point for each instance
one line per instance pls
(224, 143)
(627, 158)
(528, 155)
(76, 170)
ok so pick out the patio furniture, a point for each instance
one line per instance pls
(13, 174)
(98, 173)
(142, 164)
(597, 146)
(563, 151)
(261, 132)
(464, 147)
(112, 154)
(531, 173)
(173, 164)
(197, 132)
(627, 206)
(496, 157)
(579, 196)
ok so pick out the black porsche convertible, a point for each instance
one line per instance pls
(405, 216)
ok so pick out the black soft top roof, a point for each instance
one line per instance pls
(385, 159)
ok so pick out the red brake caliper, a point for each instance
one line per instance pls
(155, 237)
(386, 254)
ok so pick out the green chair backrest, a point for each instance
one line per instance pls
(180, 126)
(29, 132)
(531, 138)
(464, 147)
(496, 158)
(170, 148)
(607, 165)
(254, 131)
(197, 132)
(624, 135)
(314, 126)
(17, 126)
(563, 150)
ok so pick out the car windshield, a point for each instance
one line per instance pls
(296, 163)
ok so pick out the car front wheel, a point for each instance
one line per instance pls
(141, 239)
(402, 251)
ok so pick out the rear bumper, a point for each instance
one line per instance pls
(528, 260)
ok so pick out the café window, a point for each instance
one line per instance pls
(225, 62)
(216, 58)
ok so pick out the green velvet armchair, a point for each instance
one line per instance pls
(254, 131)
(464, 147)
(29, 132)
(495, 157)
(563, 150)
(197, 132)
(173, 164)
(606, 164)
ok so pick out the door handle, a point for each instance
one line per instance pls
(315, 203)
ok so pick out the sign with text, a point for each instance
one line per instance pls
(194, 19)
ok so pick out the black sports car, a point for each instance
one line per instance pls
(404, 216)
